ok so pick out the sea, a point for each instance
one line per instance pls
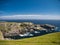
(52, 22)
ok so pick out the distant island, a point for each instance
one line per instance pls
(15, 30)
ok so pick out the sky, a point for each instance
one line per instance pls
(30, 9)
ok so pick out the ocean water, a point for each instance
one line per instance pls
(36, 33)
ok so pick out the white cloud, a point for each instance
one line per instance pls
(48, 17)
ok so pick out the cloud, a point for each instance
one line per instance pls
(47, 17)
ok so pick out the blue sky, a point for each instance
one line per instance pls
(30, 7)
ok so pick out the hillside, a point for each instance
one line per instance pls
(48, 39)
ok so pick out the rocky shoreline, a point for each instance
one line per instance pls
(14, 30)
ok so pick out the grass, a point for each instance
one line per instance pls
(48, 39)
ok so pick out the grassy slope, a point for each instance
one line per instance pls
(48, 39)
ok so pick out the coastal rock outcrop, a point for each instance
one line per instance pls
(10, 29)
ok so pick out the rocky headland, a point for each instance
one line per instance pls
(14, 30)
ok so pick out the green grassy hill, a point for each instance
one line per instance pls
(48, 39)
